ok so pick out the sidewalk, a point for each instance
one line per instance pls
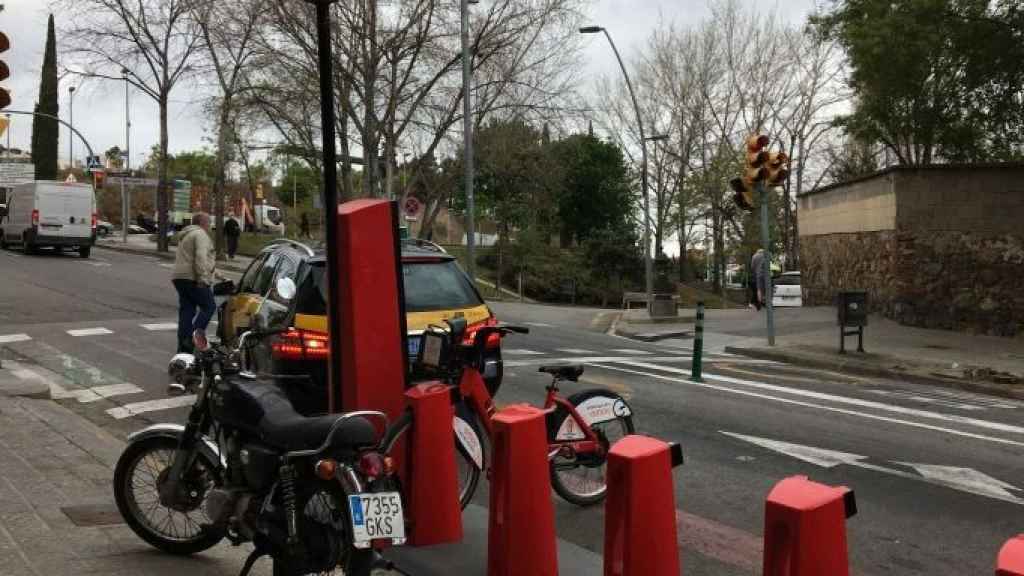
(141, 244)
(810, 337)
(57, 511)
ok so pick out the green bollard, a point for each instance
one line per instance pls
(698, 344)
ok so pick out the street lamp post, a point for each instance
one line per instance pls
(126, 202)
(467, 137)
(8, 134)
(71, 122)
(648, 263)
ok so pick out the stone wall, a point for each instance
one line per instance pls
(953, 256)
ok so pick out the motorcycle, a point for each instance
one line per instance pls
(313, 493)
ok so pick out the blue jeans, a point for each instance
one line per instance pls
(191, 296)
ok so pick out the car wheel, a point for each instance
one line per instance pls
(3, 241)
(83, 251)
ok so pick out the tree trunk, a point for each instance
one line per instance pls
(502, 232)
(684, 267)
(161, 177)
(218, 178)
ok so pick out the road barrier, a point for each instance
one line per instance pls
(432, 493)
(521, 536)
(698, 344)
(805, 529)
(1011, 558)
(640, 511)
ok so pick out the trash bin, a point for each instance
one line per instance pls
(852, 306)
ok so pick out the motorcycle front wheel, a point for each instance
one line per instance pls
(178, 530)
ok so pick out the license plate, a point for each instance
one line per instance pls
(376, 516)
(414, 346)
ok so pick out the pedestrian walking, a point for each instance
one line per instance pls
(231, 233)
(193, 278)
(757, 267)
(304, 226)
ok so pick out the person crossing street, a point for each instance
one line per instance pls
(194, 274)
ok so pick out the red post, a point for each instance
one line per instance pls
(432, 485)
(1011, 558)
(521, 537)
(373, 354)
(805, 529)
(640, 511)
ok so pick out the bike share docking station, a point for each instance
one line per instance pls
(805, 522)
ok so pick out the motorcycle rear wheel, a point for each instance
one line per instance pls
(136, 477)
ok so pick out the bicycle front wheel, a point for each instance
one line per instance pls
(582, 478)
(466, 468)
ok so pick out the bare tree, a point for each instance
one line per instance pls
(229, 48)
(153, 40)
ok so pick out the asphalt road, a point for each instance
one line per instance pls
(937, 474)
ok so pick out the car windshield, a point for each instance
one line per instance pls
(430, 285)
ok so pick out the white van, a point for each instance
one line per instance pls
(55, 214)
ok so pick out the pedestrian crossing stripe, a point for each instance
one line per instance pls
(522, 352)
(11, 338)
(89, 332)
(630, 351)
(87, 395)
(137, 408)
(160, 326)
(576, 351)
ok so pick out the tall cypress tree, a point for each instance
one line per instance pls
(45, 131)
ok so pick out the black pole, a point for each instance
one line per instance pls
(323, 36)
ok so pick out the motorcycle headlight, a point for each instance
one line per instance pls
(183, 370)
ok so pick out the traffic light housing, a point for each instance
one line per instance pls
(778, 168)
(5, 72)
(755, 170)
(98, 178)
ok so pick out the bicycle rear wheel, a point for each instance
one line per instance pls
(581, 478)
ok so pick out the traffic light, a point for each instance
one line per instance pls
(754, 171)
(5, 72)
(778, 168)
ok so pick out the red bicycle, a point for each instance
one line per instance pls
(581, 428)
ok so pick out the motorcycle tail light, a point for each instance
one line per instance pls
(389, 465)
(35, 217)
(298, 344)
(372, 465)
(326, 468)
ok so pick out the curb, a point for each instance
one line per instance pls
(224, 265)
(851, 366)
(12, 386)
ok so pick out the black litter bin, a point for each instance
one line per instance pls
(853, 313)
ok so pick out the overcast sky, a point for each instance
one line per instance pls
(99, 104)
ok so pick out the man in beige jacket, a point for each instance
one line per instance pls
(193, 279)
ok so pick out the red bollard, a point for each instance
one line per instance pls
(640, 512)
(1011, 558)
(432, 484)
(521, 537)
(805, 529)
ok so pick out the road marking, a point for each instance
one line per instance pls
(522, 352)
(824, 407)
(964, 400)
(89, 332)
(631, 351)
(961, 479)
(9, 338)
(161, 326)
(539, 324)
(987, 424)
(86, 395)
(622, 359)
(166, 265)
(136, 408)
(575, 351)
(96, 263)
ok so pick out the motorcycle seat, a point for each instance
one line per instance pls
(282, 427)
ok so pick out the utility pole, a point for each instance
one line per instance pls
(762, 191)
(467, 137)
(126, 203)
(71, 124)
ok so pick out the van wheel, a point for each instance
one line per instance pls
(30, 248)
(83, 251)
(3, 241)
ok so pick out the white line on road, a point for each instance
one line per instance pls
(9, 338)
(824, 407)
(166, 265)
(136, 408)
(90, 332)
(841, 399)
(539, 324)
(630, 351)
(625, 359)
(96, 263)
(160, 326)
(521, 352)
(579, 351)
(95, 393)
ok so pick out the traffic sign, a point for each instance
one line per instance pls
(411, 206)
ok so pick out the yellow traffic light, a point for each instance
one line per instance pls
(5, 72)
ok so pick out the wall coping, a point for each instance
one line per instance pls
(916, 168)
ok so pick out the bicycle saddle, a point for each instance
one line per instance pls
(569, 372)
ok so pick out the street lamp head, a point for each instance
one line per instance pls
(591, 30)
(71, 89)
